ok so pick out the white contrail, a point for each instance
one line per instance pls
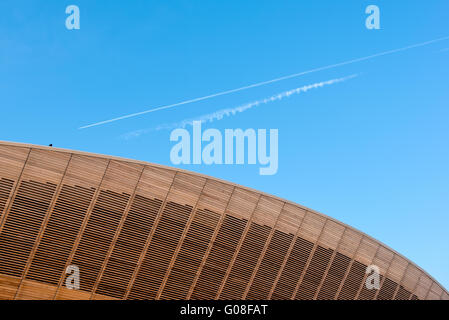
(266, 82)
(220, 114)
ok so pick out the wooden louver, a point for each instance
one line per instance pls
(143, 231)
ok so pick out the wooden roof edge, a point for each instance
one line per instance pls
(91, 154)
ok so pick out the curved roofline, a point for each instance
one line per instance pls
(85, 153)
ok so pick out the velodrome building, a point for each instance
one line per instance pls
(142, 231)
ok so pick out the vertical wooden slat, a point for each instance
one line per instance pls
(12, 167)
(264, 252)
(342, 282)
(400, 282)
(114, 240)
(289, 251)
(28, 209)
(298, 284)
(382, 282)
(320, 260)
(180, 202)
(326, 272)
(131, 240)
(12, 164)
(80, 232)
(64, 222)
(210, 208)
(423, 288)
(206, 255)
(413, 294)
(245, 232)
(148, 241)
(362, 284)
(43, 226)
(181, 240)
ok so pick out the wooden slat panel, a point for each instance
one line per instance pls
(8, 286)
(215, 196)
(85, 171)
(402, 294)
(393, 277)
(332, 234)
(43, 165)
(12, 161)
(352, 282)
(59, 236)
(186, 189)
(436, 291)
(432, 296)
(98, 234)
(34, 290)
(314, 273)
(102, 297)
(121, 177)
(118, 183)
(411, 277)
(423, 286)
(350, 242)
(311, 227)
(123, 218)
(129, 245)
(397, 268)
(334, 277)
(267, 211)
(68, 294)
(190, 255)
(270, 266)
(246, 260)
(165, 239)
(364, 292)
(200, 240)
(290, 218)
(242, 203)
(222, 209)
(155, 182)
(367, 251)
(220, 256)
(65, 220)
(387, 290)
(383, 259)
(179, 244)
(167, 236)
(293, 269)
(29, 208)
(6, 189)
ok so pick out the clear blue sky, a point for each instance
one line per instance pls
(372, 152)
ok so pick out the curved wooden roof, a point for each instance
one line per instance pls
(144, 231)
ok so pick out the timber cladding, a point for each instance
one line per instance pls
(143, 231)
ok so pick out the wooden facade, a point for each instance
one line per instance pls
(144, 231)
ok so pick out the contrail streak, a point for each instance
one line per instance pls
(220, 114)
(266, 82)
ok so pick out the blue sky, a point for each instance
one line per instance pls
(372, 151)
